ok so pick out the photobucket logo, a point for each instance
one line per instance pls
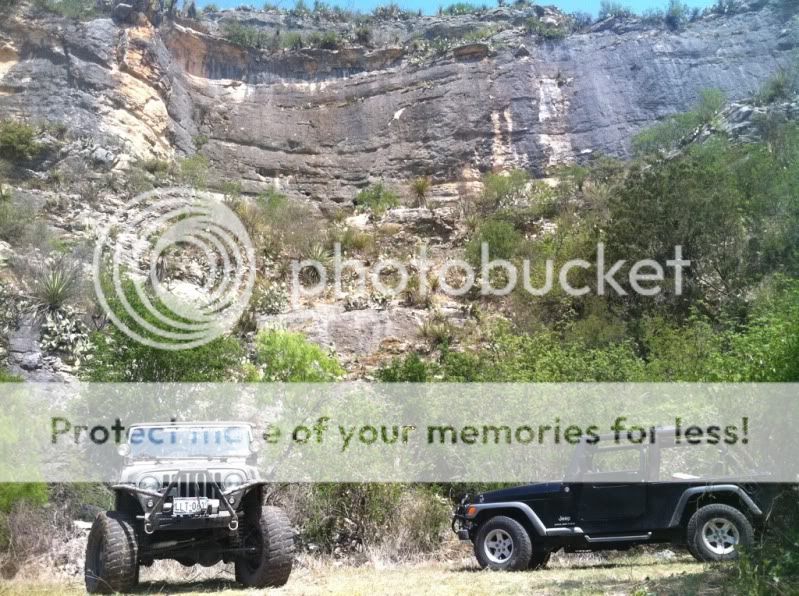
(178, 273)
(643, 277)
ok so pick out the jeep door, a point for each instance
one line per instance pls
(612, 485)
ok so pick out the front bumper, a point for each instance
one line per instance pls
(158, 514)
(461, 525)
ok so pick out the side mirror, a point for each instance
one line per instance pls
(124, 450)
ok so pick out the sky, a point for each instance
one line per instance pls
(431, 6)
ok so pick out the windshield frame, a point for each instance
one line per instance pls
(177, 441)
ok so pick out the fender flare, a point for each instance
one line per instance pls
(704, 490)
(528, 512)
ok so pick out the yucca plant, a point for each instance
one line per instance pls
(55, 284)
(319, 255)
(420, 187)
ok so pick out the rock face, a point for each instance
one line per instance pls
(323, 123)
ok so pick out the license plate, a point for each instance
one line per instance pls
(189, 506)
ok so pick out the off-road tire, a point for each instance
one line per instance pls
(521, 548)
(699, 547)
(539, 559)
(272, 567)
(111, 555)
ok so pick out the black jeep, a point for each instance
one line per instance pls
(189, 492)
(618, 496)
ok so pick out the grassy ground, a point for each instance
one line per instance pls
(639, 573)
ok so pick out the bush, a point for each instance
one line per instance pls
(326, 41)
(410, 369)
(677, 15)
(194, 171)
(461, 8)
(15, 220)
(377, 199)
(17, 141)
(420, 187)
(608, 8)
(668, 135)
(501, 237)
(209, 8)
(247, 35)
(546, 31)
(71, 9)
(363, 35)
(781, 87)
(116, 358)
(56, 283)
(287, 357)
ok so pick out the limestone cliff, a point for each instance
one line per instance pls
(322, 123)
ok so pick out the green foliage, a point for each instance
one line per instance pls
(116, 358)
(194, 170)
(608, 8)
(18, 141)
(677, 14)
(502, 191)
(667, 135)
(501, 237)
(376, 198)
(459, 8)
(290, 358)
(15, 219)
(326, 41)
(7, 377)
(420, 187)
(546, 31)
(363, 35)
(247, 35)
(55, 284)
(209, 8)
(410, 369)
(781, 87)
(71, 9)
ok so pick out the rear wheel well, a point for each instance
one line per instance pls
(714, 498)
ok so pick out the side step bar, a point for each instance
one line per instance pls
(635, 538)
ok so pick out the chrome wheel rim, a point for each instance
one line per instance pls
(720, 536)
(498, 546)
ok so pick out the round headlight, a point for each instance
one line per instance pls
(149, 483)
(233, 480)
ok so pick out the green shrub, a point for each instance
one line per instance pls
(71, 9)
(460, 8)
(781, 87)
(209, 8)
(247, 35)
(55, 284)
(15, 219)
(116, 358)
(546, 31)
(420, 187)
(377, 199)
(410, 369)
(17, 141)
(155, 166)
(326, 41)
(292, 41)
(290, 358)
(501, 237)
(609, 8)
(194, 171)
(676, 15)
(669, 134)
(363, 35)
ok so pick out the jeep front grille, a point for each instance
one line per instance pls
(192, 484)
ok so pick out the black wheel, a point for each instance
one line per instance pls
(272, 541)
(503, 544)
(539, 559)
(717, 533)
(111, 555)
